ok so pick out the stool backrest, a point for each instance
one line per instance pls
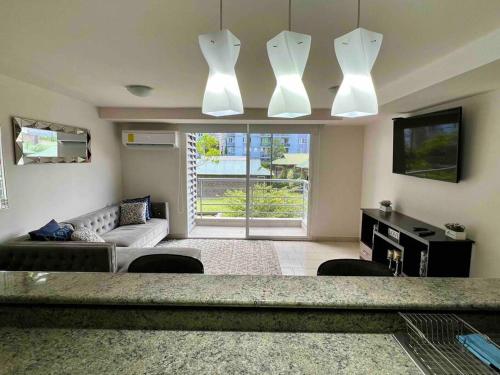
(352, 267)
(166, 263)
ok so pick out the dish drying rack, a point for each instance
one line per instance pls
(431, 341)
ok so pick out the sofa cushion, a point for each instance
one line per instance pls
(86, 235)
(147, 200)
(100, 221)
(138, 235)
(133, 213)
(52, 231)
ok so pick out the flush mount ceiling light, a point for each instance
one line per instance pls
(139, 90)
(288, 53)
(356, 53)
(222, 94)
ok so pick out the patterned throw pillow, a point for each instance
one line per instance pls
(146, 199)
(52, 231)
(133, 213)
(86, 235)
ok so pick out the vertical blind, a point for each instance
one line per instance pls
(191, 180)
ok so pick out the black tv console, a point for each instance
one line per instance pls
(425, 250)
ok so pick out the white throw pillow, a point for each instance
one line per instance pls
(86, 235)
(133, 213)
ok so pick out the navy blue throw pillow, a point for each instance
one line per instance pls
(52, 231)
(147, 200)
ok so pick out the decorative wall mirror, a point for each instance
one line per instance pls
(3, 190)
(46, 142)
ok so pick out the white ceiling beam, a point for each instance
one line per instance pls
(194, 116)
(475, 82)
(473, 55)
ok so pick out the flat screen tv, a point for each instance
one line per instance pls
(428, 146)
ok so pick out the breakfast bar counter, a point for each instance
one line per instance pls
(96, 323)
(250, 291)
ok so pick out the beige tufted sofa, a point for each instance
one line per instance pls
(105, 222)
(128, 248)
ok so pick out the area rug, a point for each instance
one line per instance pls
(233, 257)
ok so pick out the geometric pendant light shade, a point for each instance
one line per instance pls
(356, 53)
(222, 94)
(288, 52)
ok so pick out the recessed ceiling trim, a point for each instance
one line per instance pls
(193, 115)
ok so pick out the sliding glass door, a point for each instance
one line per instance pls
(248, 185)
(278, 185)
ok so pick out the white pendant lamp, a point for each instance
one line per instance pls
(222, 94)
(356, 53)
(288, 53)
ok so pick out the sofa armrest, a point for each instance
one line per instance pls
(160, 210)
(58, 256)
(23, 238)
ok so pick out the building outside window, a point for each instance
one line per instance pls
(234, 144)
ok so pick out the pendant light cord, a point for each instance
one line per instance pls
(220, 15)
(359, 12)
(289, 15)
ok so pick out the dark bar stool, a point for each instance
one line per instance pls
(166, 263)
(352, 267)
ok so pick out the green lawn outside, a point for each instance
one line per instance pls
(216, 205)
(212, 205)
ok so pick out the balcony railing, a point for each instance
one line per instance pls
(269, 198)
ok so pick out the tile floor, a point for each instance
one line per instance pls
(302, 258)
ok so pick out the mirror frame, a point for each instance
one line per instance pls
(20, 122)
(4, 201)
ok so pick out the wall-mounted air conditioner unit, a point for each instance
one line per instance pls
(150, 138)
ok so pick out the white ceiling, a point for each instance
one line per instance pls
(90, 49)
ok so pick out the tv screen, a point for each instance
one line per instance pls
(428, 146)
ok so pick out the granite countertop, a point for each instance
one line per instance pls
(92, 351)
(250, 291)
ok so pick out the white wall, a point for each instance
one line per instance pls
(338, 160)
(336, 192)
(475, 201)
(160, 173)
(38, 193)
